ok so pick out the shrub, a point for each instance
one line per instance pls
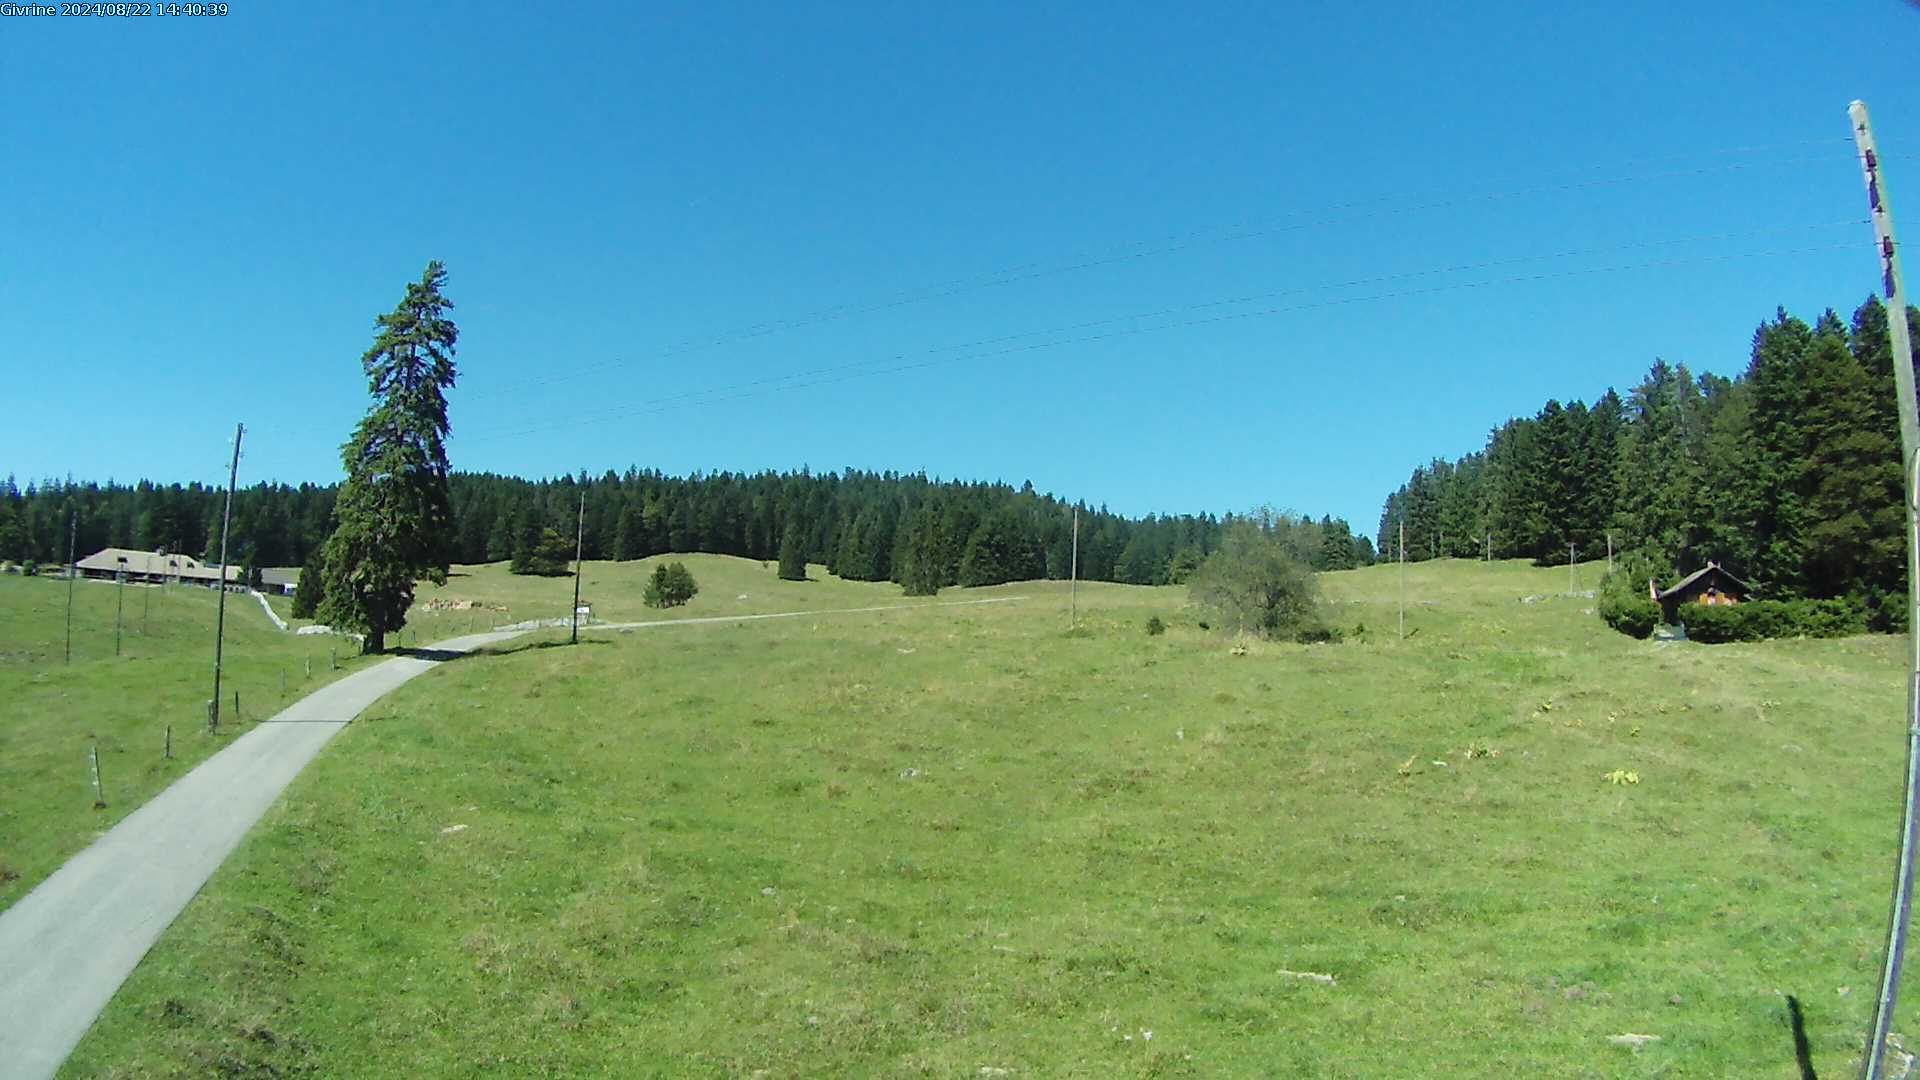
(1718, 625)
(1634, 616)
(1254, 583)
(1825, 618)
(29, 568)
(671, 585)
(1759, 620)
(1886, 610)
(1155, 627)
(1624, 603)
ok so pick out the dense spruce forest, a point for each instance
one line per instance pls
(857, 523)
(1788, 475)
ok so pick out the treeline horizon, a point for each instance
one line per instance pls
(857, 523)
(1788, 475)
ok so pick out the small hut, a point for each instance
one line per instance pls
(1710, 585)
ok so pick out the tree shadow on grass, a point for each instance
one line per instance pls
(523, 646)
(1802, 1053)
(436, 655)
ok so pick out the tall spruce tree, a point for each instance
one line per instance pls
(793, 557)
(392, 519)
(628, 541)
(312, 585)
(1853, 494)
(1782, 439)
(917, 561)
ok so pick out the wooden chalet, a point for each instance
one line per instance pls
(1711, 585)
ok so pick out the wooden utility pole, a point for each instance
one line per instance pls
(119, 602)
(220, 620)
(1073, 575)
(1573, 586)
(579, 545)
(1403, 578)
(73, 571)
(1894, 288)
(1609, 551)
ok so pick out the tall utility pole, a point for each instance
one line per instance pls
(1073, 575)
(1609, 551)
(220, 620)
(73, 571)
(1403, 578)
(579, 545)
(1572, 585)
(1894, 288)
(119, 602)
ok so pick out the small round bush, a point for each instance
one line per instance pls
(1155, 627)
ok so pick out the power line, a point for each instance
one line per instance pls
(848, 372)
(1251, 297)
(1380, 208)
(1311, 218)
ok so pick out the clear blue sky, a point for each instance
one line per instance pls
(203, 216)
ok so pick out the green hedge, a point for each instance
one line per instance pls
(1761, 619)
(1634, 616)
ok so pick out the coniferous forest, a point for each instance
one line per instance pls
(862, 525)
(1787, 475)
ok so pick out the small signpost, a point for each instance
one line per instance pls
(99, 794)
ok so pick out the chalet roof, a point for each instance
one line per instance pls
(280, 575)
(1711, 568)
(154, 564)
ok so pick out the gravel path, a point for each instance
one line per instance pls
(66, 947)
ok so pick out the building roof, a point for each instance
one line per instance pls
(1711, 568)
(154, 564)
(279, 575)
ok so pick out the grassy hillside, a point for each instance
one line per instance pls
(958, 840)
(728, 586)
(51, 712)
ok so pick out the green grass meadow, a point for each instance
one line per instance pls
(53, 712)
(963, 841)
(728, 586)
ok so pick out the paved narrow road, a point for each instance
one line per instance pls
(66, 947)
